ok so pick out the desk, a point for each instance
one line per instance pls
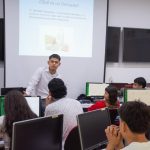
(86, 106)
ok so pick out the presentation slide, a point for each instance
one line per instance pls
(56, 26)
(74, 29)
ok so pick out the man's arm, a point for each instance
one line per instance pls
(31, 88)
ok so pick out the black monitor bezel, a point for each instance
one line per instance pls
(16, 124)
(97, 145)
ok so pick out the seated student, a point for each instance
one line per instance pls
(134, 123)
(139, 83)
(16, 109)
(58, 103)
(110, 99)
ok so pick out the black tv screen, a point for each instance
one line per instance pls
(1, 39)
(136, 45)
(112, 45)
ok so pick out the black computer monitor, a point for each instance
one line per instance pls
(92, 127)
(38, 134)
(4, 91)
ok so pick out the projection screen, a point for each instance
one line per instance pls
(74, 29)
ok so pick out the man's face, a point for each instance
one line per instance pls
(137, 86)
(53, 63)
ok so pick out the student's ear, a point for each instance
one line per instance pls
(124, 126)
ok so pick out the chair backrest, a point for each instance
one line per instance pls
(114, 115)
(148, 134)
(73, 140)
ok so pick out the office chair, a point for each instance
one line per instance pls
(73, 140)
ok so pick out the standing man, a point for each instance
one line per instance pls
(38, 84)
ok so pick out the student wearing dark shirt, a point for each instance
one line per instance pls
(110, 99)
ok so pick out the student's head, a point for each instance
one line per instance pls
(16, 109)
(139, 82)
(135, 119)
(54, 62)
(110, 96)
(57, 88)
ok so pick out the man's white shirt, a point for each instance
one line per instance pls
(138, 146)
(38, 86)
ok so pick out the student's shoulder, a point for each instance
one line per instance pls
(73, 101)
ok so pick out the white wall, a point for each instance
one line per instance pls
(128, 13)
(1, 63)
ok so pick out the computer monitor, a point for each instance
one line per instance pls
(95, 89)
(4, 91)
(92, 127)
(34, 103)
(137, 94)
(43, 133)
(2, 111)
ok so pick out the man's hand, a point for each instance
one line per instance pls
(25, 94)
(114, 137)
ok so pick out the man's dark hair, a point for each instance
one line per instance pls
(113, 93)
(136, 114)
(57, 88)
(141, 81)
(55, 56)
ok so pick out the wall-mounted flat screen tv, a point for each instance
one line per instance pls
(136, 45)
(1, 39)
(112, 45)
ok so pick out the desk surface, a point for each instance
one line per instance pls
(86, 105)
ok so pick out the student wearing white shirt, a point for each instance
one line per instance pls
(134, 123)
(58, 103)
(38, 84)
